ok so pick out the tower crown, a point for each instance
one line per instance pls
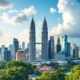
(32, 24)
(58, 40)
(32, 21)
(44, 24)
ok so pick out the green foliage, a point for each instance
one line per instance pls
(55, 75)
(71, 64)
(76, 68)
(51, 64)
(37, 72)
(16, 70)
(59, 73)
(15, 73)
(29, 67)
(2, 65)
(54, 64)
(75, 74)
(64, 68)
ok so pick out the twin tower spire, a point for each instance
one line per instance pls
(32, 43)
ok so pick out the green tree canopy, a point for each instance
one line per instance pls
(55, 75)
(29, 67)
(75, 73)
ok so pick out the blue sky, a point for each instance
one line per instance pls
(43, 9)
(62, 18)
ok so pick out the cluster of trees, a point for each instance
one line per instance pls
(75, 73)
(18, 70)
(55, 75)
(15, 70)
(66, 67)
(51, 64)
(60, 74)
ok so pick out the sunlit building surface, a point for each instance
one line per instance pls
(20, 55)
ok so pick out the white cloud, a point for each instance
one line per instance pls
(61, 5)
(19, 19)
(52, 10)
(4, 17)
(29, 11)
(20, 16)
(4, 4)
(12, 11)
(71, 17)
(23, 36)
(6, 37)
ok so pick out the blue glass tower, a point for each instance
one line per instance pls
(44, 40)
(51, 48)
(75, 53)
(15, 47)
(7, 55)
(58, 46)
(32, 39)
(66, 46)
(68, 49)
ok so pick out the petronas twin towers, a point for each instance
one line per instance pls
(32, 43)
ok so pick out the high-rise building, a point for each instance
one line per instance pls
(2, 51)
(7, 55)
(68, 50)
(32, 39)
(0, 55)
(44, 40)
(66, 46)
(15, 47)
(75, 53)
(27, 49)
(11, 50)
(20, 55)
(23, 46)
(72, 48)
(79, 54)
(51, 48)
(58, 46)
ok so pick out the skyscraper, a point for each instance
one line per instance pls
(23, 46)
(51, 48)
(44, 40)
(68, 50)
(12, 51)
(32, 47)
(75, 53)
(7, 55)
(58, 46)
(2, 51)
(15, 47)
(66, 46)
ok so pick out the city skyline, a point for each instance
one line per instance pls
(39, 38)
(56, 49)
(15, 17)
